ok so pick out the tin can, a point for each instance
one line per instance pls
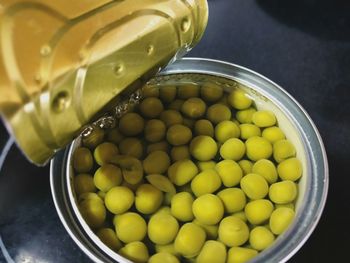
(292, 118)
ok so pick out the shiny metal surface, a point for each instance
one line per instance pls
(293, 120)
(62, 63)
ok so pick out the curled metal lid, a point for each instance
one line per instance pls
(63, 63)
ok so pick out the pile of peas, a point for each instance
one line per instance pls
(192, 174)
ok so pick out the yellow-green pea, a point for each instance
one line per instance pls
(114, 135)
(204, 127)
(239, 100)
(148, 199)
(189, 240)
(171, 117)
(175, 105)
(282, 150)
(82, 160)
(267, 169)
(246, 166)
(226, 130)
(163, 210)
(94, 138)
(131, 146)
(249, 130)
(280, 219)
(240, 254)
(241, 215)
(273, 134)
(109, 238)
(162, 228)
(169, 248)
(218, 112)
(178, 134)
(213, 252)
(158, 146)
(202, 166)
(151, 107)
(150, 91)
(84, 183)
(161, 182)
(107, 176)
(210, 230)
(208, 209)
(233, 231)
(119, 199)
(93, 212)
(154, 130)
(188, 91)
(283, 192)
(261, 238)
(131, 124)
(104, 151)
(230, 172)
(264, 118)
(156, 162)
(258, 148)
(290, 169)
(163, 257)
(203, 148)
(167, 94)
(135, 251)
(89, 195)
(211, 92)
(179, 153)
(193, 108)
(258, 211)
(245, 116)
(181, 172)
(233, 199)
(205, 182)
(254, 186)
(130, 227)
(181, 206)
(131, 167)
(233, 149)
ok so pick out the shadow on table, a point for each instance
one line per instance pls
(327, 19)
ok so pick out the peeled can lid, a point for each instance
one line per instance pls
(63, 63)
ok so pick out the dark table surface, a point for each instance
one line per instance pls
(302, 45)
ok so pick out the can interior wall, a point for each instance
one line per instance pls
(292, 119)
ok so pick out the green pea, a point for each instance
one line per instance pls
(131, 124)
(104, 151)
(261, 238)
(178, 135)
(226, 130)
(204, 127)
(217, 113)
(245, 116)
(254, 186)
(84, 183)
(283, 149)
(211, 92)
(82, 160)
(258, 148)
(193, 108)
(151, 107)
(233, 149)
(154, 130)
